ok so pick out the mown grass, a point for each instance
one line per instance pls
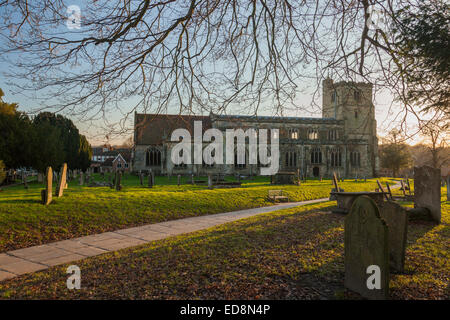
(288, 254)
(84, 210)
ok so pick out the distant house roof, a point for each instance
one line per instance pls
(97, 151)
(126, 156)
(155, 128)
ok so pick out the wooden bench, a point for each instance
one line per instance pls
(275, 195)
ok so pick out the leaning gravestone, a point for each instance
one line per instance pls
(46, 195)
(396, 218)
(62, 181)
(366, 250)
(427, 190)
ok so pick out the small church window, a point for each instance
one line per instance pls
(316, 155)
(335, 157)
(313, 134)
(355, 159)
(291, 159)
(293, 133)
(333, 135)
(334, 96)
(153, 158)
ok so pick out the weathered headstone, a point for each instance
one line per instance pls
(427, 190)
(25, 182)
(210, 184)
(192, 179)
(46, 195)
(141, 178)
(178, 179)
(118, 181)
(81, 178)
(150, 180)
(62, 181)
(366, 250)
(396, 218)
(40, 178)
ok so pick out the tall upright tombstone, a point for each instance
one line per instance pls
(141, 178)
(118, 180)
(178, 179)
(46, 195)
(427, 190)
(366, 250)
(150, 180)
(210, 184)
(81, 178)
(62, 181)
(396, 218)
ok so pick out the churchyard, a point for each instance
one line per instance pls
(295, 253)
(84, 210)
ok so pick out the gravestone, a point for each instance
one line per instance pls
(210, 181)
(46, 195)
(25, 182)
(141, 178)
(81, 178)
(62, 181)
(427, 190)
(150, 180)
(178, 179)
(192, 179)
(118, 181)
(366, 245)
(396, 218)
(40, 178)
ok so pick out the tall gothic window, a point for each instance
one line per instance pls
(316, 155)
(291, 159)
(335, 157)
(355, 159)
(153, 158)
(313, 134)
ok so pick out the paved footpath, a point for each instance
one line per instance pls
(18, 262)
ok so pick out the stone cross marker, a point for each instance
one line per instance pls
(62, 181)
(366, 249)
(396, 218)
(427, 190)
(46, 195)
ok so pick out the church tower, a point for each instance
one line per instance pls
(352, 103)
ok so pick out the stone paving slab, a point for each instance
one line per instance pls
(22, 261)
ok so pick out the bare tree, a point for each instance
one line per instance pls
(197, 56)
(437, 134)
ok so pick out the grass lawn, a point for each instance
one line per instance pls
(82, 211)
(288, 254)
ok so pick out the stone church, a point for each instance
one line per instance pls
(343, 140)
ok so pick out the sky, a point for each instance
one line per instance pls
(385, 110)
